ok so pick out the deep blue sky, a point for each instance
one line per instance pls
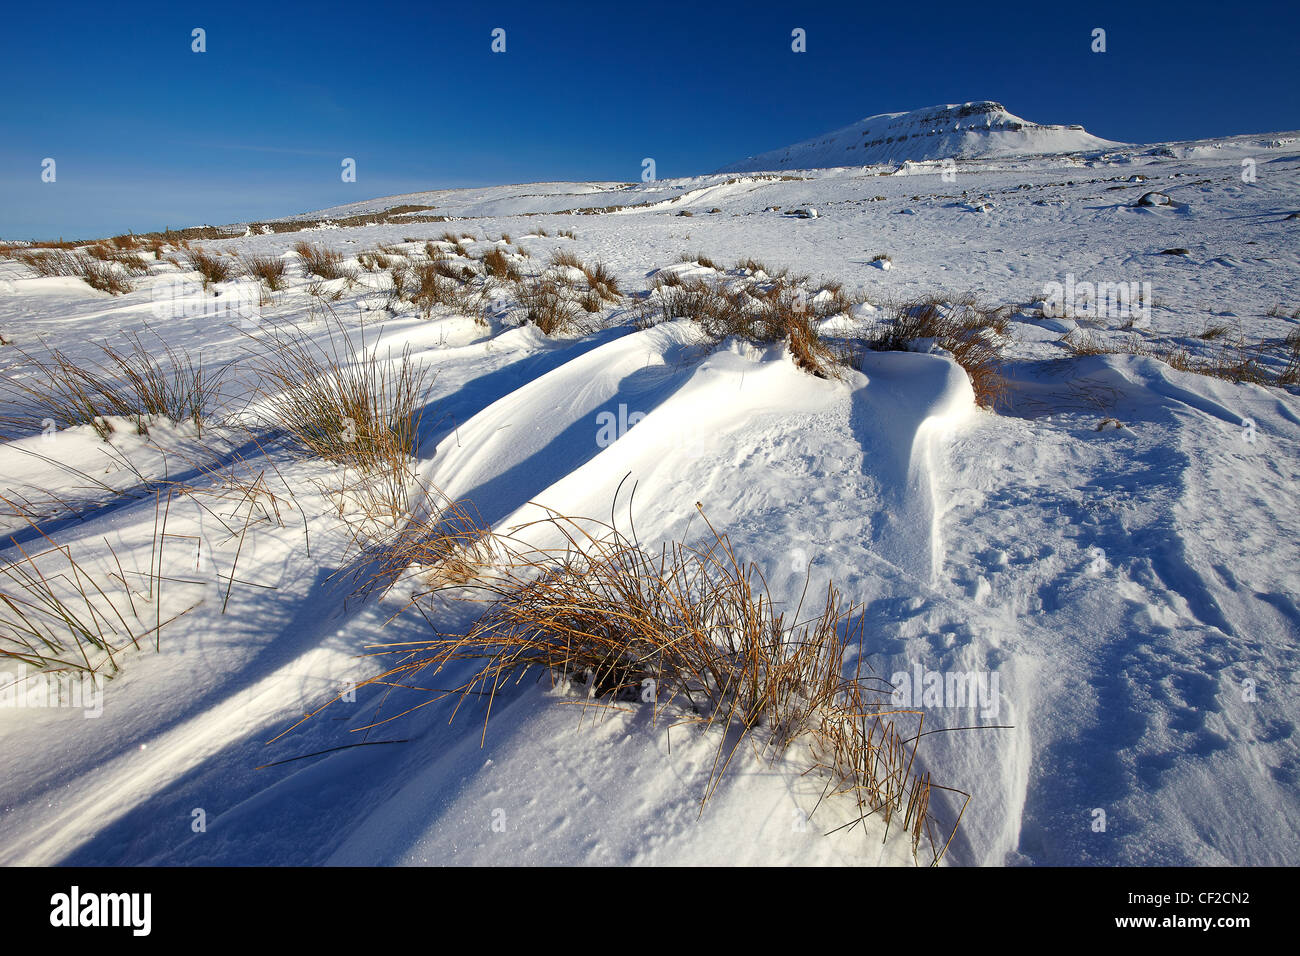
(148, 134)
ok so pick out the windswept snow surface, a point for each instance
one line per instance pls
(1125, 596)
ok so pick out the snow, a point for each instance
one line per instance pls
(1117, 544)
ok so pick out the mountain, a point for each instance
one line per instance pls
(958, 131)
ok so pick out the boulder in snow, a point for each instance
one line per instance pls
(1155, 199)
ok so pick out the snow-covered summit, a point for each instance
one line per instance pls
(958, 131)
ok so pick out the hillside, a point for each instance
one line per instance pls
(957, 131)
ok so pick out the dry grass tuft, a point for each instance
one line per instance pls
(701, 259)
(318, 290)
(1290, 374)
(564, 258)
(374, 261)
(212, 268)
(602, 282)
(133, 263)
(498, 266)
(57, 615)
(133, 383)
(450, 270)
(446, 545)
(1231, 363)
(434, 283)
(811, 352)
(960, 325)
(1083, 343)
(752, 266)
(322, 262)
(355, 406)
(779, 312)
(694, 633)
(341, 400)
(546, 305)
(103, 276)
(270, 270)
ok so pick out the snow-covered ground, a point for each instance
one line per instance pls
(1127, 594)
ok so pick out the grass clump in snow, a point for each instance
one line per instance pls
(133, 263)
(565, 259)
(105, 278)
(1290, 374)
(341, 400)
(431, 284)
(765, 312)
(437, 282)
(374, 261)
(58, 615)
(100, 275)
(752, 266)
(601, 281)
(692, 632)
(440, 281)
(1229, 362)
(136, 383)
(350, 404)
(497, 265)
(700, 259)
(546, 304)
(75, 617)
(968, 330)
(270, 270)
(212, 268)
(322, 262)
